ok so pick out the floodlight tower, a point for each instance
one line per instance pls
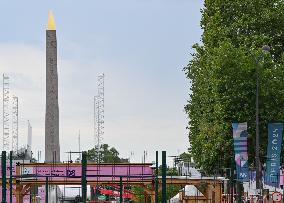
(101, 105)
(96, 121)
(6, 114)
(15, 124)
(99, 113)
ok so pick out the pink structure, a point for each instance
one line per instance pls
(26, 198)
(8, 169)
(68, 173)
(104, 172)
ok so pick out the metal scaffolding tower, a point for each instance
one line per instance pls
(15, 124)
(6, 115)
(99, 112)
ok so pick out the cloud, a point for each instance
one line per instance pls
(138, 114)
(23, 64)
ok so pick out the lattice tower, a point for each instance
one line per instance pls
(6, 114)
(15, 124)
(99, 113)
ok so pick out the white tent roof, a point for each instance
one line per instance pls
(190, 190)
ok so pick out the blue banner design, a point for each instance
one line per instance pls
(241, 153)
(273, 154)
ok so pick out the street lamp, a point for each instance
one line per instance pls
(265, 49)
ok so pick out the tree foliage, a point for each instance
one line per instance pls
(222, 74)
(105, 155)
(185, 157)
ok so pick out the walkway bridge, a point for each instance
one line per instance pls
(25, 176)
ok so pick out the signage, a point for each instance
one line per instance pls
(131, 172)
(276, 196)
(272, 174)
(241, 153)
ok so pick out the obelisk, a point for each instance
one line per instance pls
(52, 147)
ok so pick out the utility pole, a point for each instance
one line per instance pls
(257, 158)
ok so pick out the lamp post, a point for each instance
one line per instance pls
(258, 177)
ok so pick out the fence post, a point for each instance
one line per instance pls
(84, 176)
(46, 189)
(120, 189)
(11, 179)
(156, 177)
(232, 180)
(164, 173)
(4, 183)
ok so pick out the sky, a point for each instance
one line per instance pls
(140, 45)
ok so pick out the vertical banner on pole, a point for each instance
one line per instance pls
(241, 152)
(273, 154)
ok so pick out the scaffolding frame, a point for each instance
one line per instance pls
(99, 115)
(15, 124)
(6, 113)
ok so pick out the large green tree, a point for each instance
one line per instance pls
(105, 155)
(222, 74)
